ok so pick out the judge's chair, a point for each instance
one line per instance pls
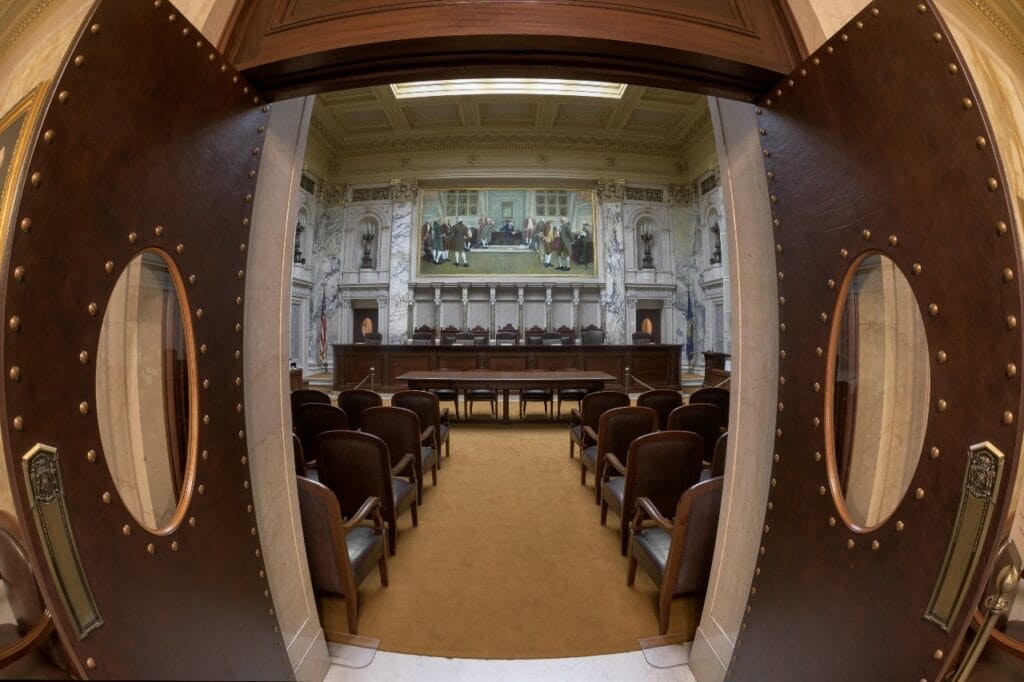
(341, 552)
(29, 649)
(356, 466)
(676, 554)
(660, 467)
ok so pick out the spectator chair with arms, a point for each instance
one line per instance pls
(426, 407)
(662, 401)
(312, 419)
(354, 401)
(616, 430)
(592, 407)
(700, 418)
(400, 429)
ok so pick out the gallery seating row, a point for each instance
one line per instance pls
(648, 462)
(361, 463)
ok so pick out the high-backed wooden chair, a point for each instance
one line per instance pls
(29, 649)
(481, 395)
(662, 401)
(592, 407)
(718, 459)
(641, 338)
(464, 339)
(300, 460)
(302, 396)
(592, 336)
(534, 336)
(660, 466)
(702, 419)
(400, 429)
(568, 335)
(356, 466)
(373, 338)
(312, 419)
(341, 552)
(354, 401)
(428, 409)
(551, 339)
(676, 554)
(506, 338)
(616, 430)
(719, 397)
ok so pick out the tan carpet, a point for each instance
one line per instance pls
(509, 560)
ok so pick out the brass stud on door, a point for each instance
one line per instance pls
(132, 237)
(832, 522)
(818, 351)
(899, 526)
(26, 224)
(844, 253)
(109, 266)
(36, 178)
(919, 493)
(79, 60)
(893, 240)
(941, 357)
(1011, 370)
(933, 309)
(875, 12)
(92, 308)
(90, 456)
(14, 323)
(916, 268)
(158, 230)
(821, 490)
(849, 544)
(966, 103)
(15, 374)
(922, 8)
(934, 452)
(866, 234)
(980, 142)
(106, 498)
(817, 387)
(90, 663)
(993, 184)
(1011, 321)
(63, 96)
(19, 273)
(151, 548)
(817, 456)
(18, 423)
(938, 655)
(94, 29)
(174, 546)
(875, 545)
(180, 248)
(1007, 275)
(192, 521)
(1007, 418)
(126, 529)
(83, 408)
(942, 405)
(1001, 228)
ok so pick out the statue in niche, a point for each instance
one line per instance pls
(716, 251)
(299, 258)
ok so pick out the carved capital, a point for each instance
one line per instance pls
(611, 190)
(404, 191)
(333, 195)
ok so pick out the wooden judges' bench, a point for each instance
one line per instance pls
(654, 364)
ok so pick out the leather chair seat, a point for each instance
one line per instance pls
(444, 393)
(576, 433)
(589, 454)
(572, 393)
(443, 433)
(614, 491)
(537, 393)
(364, 550)
(404, 492)
(484, 393)
(654, 543)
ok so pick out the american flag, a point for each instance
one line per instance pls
(323, 328)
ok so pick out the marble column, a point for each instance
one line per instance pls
(465, 308)
(547, 309)
(610, 194)
(437, 314)
(494, 319)
(403, 194)
(630, 317)
(521, 300)
(411, 324)
(576, 324)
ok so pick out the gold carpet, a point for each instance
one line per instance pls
(509, 560)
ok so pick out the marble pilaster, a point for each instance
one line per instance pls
(610, 195)
(403, 194)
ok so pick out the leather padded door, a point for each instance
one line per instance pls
(151, 142)
(878, 144)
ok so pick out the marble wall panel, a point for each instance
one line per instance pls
(614, 272)
(398, 286)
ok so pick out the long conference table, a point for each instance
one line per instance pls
(505, 381)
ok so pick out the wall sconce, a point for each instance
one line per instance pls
(298, 257)
(369, 234)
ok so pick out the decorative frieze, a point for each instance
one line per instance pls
(649, 194)
(371, 194)
(333, 195)
(682, 194)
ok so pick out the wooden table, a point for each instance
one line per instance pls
(506, 381)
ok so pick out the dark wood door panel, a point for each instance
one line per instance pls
(613, 364)
(731, 47)
(853, 169)
(508, 362)
(151, 142)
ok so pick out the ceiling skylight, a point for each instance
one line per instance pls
(508, 86)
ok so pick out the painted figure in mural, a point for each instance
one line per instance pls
(459, 234)
(426, 242)
(547, 237)
(583, 247)
(528, 229)
(446, 239)
(564, 244)
(507, 226)
(486, 231)
(437, 241)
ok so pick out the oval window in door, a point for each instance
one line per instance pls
(144, 392)
(876, 402)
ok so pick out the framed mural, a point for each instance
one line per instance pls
(15, 127)
(507, 232)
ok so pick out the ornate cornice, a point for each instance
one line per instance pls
(682, 194)
(23, 23)
(514, 142)
(332, 194)
(320, 127)
(699, 128)
(997, 20)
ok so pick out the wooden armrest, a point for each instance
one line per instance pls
(444, 416)
(575, 416)
(616, 464)
(427, 435)
(589, 435)
(646, 509)
(31, 640)
(405, 462)
(368, 506)
(705, 464)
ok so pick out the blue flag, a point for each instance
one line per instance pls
(689, 327)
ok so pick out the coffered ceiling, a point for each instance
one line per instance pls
(371, 120)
